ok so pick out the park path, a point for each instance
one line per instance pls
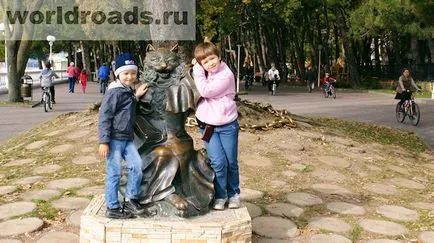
(16, 120)
(349, 105)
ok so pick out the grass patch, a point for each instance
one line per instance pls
(307, 169)
(44, 210)
(423, 94)
(366, 133)
(25, 103)
(355, 234)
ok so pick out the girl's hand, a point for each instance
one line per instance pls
(103, 150)
(140, 91)
(193, 61)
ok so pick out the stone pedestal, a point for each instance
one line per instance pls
(229, 226)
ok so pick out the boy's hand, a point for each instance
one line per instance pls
(140, 91)
(103, 150)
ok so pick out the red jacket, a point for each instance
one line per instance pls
(83, 77)
(72, 72)
(330, 79)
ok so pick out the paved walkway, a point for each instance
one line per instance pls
(349, 105)
(16, 120)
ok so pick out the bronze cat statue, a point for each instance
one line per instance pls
(177, 180)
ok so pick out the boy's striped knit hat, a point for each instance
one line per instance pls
(125, 61)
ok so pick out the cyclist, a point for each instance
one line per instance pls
(46, 77)
(406, 86)
(273, 75)
(103, 77)
(328, 79)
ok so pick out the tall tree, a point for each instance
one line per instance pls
(18, 42)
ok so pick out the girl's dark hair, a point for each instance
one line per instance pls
(406, 69)
(84, 70)
(47, 64)
(204, 50)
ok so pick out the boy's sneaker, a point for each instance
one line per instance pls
(219, 204)
(234, 201)
(134, 207)
(118, 213)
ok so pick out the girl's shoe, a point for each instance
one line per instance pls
(219, 204)
(234, 201)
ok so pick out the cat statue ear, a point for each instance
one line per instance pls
(174, 49)
(150, 48)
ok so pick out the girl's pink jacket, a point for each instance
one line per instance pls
(217, 106)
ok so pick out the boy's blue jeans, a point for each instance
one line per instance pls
(122, 150)
(222, 150)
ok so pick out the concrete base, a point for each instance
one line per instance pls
(229, 226)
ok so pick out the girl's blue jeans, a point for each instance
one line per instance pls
(222, 150)
(122, 150)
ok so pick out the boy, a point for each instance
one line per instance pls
(328, 79)
(115, 128)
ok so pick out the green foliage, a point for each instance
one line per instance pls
(375, 17)
(218, 17)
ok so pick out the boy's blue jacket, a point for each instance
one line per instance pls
(117, 114)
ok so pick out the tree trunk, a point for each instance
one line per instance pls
(353, 71)
(85, 55)
(14, 78)
(327, 37)
(377, 56)
(18, 46)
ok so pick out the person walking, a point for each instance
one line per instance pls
(71, 71)
(310, 78)
(103, 77)
(83, 79)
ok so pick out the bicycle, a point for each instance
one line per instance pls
(273, 87)
(330, 92)
(410, 109)
(47, 103)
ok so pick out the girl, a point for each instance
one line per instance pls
(217, 115)
(82, 79)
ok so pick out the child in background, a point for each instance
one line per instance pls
(217, 117)
(46, 77)
(115, 132)
(82, 79)
(328, 79)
